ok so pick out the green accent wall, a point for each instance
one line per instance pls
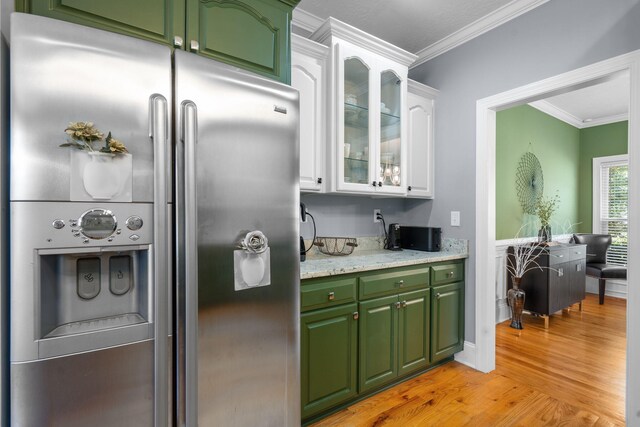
(556, 144)
(598, 141)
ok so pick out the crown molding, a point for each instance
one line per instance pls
(422, 89)
(334, 28)
(606, 120)
(305, 20)
(308, 47)
(500, 16)
(560, 114)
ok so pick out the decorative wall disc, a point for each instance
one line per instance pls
(529, 182)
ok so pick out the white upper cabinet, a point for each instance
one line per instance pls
(420, 181)
(309, 76)
(367, 125)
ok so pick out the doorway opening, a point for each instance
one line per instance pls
(485, 279)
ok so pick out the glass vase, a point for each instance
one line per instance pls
(515, 297)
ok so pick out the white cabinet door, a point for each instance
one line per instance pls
(420, 180)
(308, 75)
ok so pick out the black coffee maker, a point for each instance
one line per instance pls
(394, 238)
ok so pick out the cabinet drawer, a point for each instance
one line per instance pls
(325, 293)
(393, 282)
(447, 273)
(567, 254)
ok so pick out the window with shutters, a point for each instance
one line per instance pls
(610, 203)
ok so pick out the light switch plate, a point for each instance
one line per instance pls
(455, 218)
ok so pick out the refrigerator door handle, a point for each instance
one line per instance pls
(159, 133)
(189, 137)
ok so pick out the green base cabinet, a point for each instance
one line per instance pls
(251, 34)
(414, 330)
(447, 314)
(363, 331)
(328, 357)
(394, 337)
(378, 342)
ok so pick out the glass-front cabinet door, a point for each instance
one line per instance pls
(370, 149)
(356, 120)
(391, 172)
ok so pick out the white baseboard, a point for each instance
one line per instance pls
(468, 355)
(502, 310)
(614, 288)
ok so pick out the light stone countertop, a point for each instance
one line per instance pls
(326, 265)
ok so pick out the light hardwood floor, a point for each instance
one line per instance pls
(572, 374)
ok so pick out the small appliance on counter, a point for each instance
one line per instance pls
(394, 238)
(427, 239)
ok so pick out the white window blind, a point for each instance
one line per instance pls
(614, 194)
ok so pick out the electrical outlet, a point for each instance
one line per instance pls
(455, 218)
(375, 215)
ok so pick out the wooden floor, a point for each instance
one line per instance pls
(572, 374)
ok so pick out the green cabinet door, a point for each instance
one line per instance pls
(378, 337)
(328, 357)
(157, 20)
(413, 330)
(447, 320)
(250, 34)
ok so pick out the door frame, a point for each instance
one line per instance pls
(485, 274)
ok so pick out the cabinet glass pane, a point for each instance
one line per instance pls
(390, 108)
(356, 121)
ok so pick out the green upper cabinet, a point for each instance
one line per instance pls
(156, 20)
(250, 34)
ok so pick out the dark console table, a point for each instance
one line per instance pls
(561, 282)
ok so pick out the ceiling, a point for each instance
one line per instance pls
(429, 28)
(596, 105)
(423, 27)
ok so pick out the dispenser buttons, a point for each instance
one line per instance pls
(58, 224)
(134, 237)
(134, 223)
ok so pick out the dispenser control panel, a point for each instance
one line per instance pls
(58, 225)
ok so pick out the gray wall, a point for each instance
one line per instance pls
(352, 216)
(557, 37)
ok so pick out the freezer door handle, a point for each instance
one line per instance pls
(189, 223)
(159, 134)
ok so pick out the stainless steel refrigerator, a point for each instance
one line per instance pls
(157, 285)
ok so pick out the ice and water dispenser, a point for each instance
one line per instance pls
(91, 273)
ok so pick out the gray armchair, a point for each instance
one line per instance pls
(597, 246)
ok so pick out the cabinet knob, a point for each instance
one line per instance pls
(398, 305)
(403, 304)
(379, 183)
(319, 180)
(332, 296)
(373, 183)
(449, 274)
(438, 296)
(194, 46)
(356, 315)
(400, 283)
(409, 188)
(177, 41)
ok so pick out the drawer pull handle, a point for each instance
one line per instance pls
(400, 283)
(332, 296)
(403, 304)
(450, 274)
(356, 315)
(438, 296)
(398, 305)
